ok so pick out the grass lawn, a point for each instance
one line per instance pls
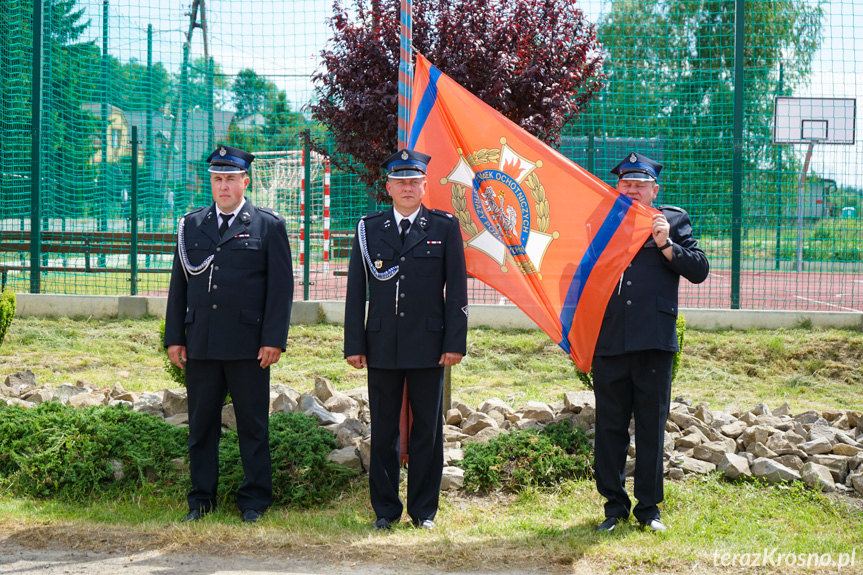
(711, 520)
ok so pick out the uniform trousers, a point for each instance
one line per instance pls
(639, 384)
(425, 465)
(207, 383)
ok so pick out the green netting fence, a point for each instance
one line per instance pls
(183, 77)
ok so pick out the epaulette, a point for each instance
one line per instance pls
(672, 208)
(269, 211)
(195, 211)
(443, 213)
(371, 215)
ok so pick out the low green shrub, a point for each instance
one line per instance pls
(7, 312)
(55, 450)
(73, 453)
(520, 459)
(302, 474)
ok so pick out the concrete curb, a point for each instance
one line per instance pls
(494, 316)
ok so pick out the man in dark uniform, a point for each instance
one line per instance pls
(229, 307)
(635, 350)
(406, 257)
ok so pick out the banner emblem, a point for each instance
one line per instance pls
(514, 228)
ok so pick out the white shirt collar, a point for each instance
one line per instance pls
(409, 218)
(232, 214)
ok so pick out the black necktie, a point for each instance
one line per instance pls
(226, 221)
(404, 225)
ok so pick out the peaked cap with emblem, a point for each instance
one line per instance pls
(637, 167)
(229, 160)
(406, 164)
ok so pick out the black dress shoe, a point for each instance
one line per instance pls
(609, 524)
(193, 515)
(384, 523)
(251, 515)
(654, 525)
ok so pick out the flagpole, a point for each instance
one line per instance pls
(405, 85)
(405, 71)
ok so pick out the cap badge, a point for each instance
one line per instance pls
(405, 155)
(378, 264)
(633, 158)
(222, 151)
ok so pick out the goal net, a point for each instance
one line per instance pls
(277, 182)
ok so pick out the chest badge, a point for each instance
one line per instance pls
(378, 264)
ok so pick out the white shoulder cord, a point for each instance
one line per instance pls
(188, 268)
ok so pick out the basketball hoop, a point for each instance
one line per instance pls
(810, 121)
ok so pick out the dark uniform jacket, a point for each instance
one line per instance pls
(642, 311)
(242, 301)
(409, 323)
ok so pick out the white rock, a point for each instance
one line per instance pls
(476, 422)
(347, 456)
(783, 409)
(817, 446)
(323, 388)
(483, 435)
(733, 466)
(734, 430)
(282, 403)
(66, 390)
(837, 464)
(773, 472)
(453, 417)
(87, 400)
(174, 401)
(495, 404)
(575, 401)
(537, 410)
(692, 465)
(817, 477)
(229, 418)
(452, 454)
(452, 478)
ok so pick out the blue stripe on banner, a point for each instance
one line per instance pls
(606, 231)
(426, 104)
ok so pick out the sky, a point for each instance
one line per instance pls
(283, 38)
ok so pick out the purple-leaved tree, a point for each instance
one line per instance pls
(537, 62)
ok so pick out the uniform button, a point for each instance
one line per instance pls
(629, 283)
(428, 252)
(196, 244)
(680, 255)
(629, 266)
(402, 314)
(401, 277)
(401, 295)
(215, 306)
(218, 249)
(215, 286)
(187, 309)
(216, 268)
(629, 302)
(245, 243)
(402, 258)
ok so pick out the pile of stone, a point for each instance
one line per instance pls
(822, 448)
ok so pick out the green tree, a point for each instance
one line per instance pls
(251, 93)
(670, 68)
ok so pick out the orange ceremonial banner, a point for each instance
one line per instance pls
(545, 233)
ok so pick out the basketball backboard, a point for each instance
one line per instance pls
(821, 120)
